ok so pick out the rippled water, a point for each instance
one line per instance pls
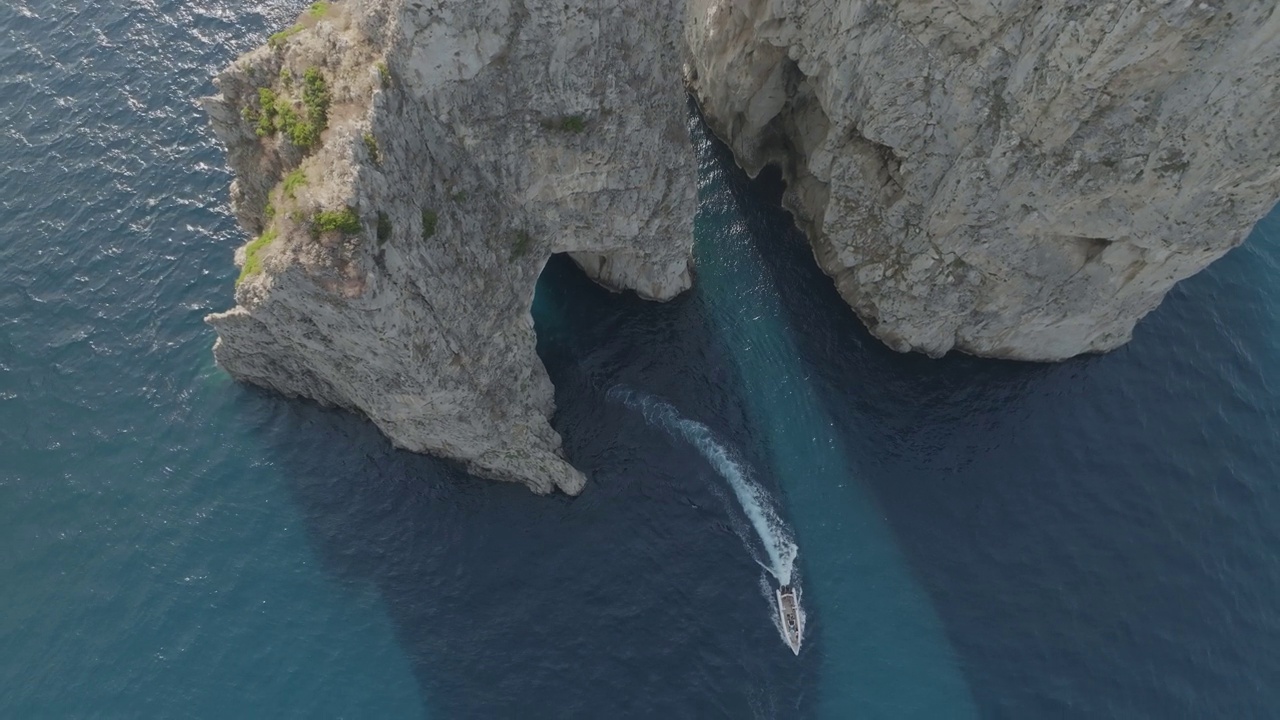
(1097, 538)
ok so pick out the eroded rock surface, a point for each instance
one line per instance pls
(471, 140)
(1007, 178)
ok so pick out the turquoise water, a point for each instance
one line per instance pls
(1097, 538)
(884, 651)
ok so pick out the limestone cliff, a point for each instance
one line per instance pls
(409, 168)
(1007, 178)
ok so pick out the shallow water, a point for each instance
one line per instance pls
(1097, 538)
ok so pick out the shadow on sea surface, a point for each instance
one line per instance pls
(1097, 535)
(634, 600)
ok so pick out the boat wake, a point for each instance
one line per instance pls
(775, 537)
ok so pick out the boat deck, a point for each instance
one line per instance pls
(789, 610)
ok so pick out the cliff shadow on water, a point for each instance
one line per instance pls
(883, 651)
(1092, 533)
(633, 600)
(1066, 521)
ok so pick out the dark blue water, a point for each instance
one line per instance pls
(1098, 538)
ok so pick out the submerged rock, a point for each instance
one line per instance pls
(1008, 179)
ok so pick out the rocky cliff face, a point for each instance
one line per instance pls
(406, 202)
(1007, 178)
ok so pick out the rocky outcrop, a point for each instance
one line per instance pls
(1010, 179)
(460, 145)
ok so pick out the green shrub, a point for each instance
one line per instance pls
(277, 113)
(253, 254)
(304, 134)
(344, 220)
(521, 244)
(429, 221)
(286, 78)
(293, 181)
(384, 74)
(286, 118)
(315, 97)
(371, 144)
(571, 124)
(279, 39)
(269, 212)
(384, 227)
(300, 132)
(267, 113)
(318, 9)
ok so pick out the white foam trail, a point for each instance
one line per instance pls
(774, 536)
(739, 526)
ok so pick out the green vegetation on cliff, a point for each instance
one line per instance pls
(521, 244)
(278, 113)
(294, 180)
(317, 11)
(266, 117)
(429, 220)
(277, 40)
(315, 97)
(569, 123)
(345, 220)
(253, 254)
(384, 227)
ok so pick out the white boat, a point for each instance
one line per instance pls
(789, 615)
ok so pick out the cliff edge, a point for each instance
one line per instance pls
(407, 170)
(1010, 179)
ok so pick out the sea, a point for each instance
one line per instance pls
(1098, 538)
